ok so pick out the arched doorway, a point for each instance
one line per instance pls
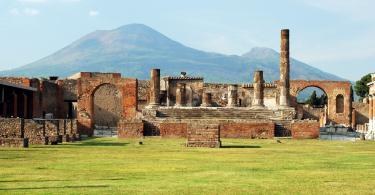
(107, 108)
(312, 103)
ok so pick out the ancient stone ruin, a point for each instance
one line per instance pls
(91, 104)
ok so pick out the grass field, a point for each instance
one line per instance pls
(164, 166)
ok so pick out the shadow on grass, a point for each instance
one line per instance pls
(57, 180)
(62, 187)
(240, 146)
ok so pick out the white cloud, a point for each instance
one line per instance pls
(32, 1)
(24, 12)
(93, 13)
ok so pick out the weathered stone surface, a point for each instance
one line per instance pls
(284, 84)
(258, 100)
(155, 88)
(232, 96)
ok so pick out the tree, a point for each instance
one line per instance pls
(361, 88)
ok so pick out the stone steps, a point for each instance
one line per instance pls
(104, 131)
(215, 114)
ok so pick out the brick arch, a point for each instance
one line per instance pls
(332, 89)
(88, 83)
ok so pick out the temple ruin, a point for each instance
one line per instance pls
(173, 106)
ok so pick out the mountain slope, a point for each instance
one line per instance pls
(134, 49)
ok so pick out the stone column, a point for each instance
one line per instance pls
(206, 100)
(258, 97)
(180, 95)
(284, 69)
(154, 88)
(232, 96)
(370, 113)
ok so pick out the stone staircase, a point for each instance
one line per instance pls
(218, 113)
(105, 131)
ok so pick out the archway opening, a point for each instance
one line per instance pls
(107, 106)
(312, 96)
(339, 103)
(312, 104)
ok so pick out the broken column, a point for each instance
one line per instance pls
(232, 96)
(180, 95)
(154, 88)
(284, 84)
(258, 98)
(206, 100)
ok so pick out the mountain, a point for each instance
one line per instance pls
(134, 49)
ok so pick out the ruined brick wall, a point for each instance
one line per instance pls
(107, 105)
(130, 129)
(17, 80)
(170, 129)
(193, 88)
(305, 129)
(333, 89)
(362, 112)
(69, 87)
(143, 93)
(52, 99)
(87, 85)
(203, 135)
(10, 127)
(308, 112)
(252, 130)
(245, 94)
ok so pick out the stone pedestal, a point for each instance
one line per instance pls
(154, 88)
(258, 98)
(206, 100)
(180, 95)
(284, 85)
(232, 96)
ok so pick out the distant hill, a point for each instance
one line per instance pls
(134, 49)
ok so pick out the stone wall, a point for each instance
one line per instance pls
(10, 128)
(37, 131)
(14, 142)
(305, 129)
(130, 129)
(143, 93)
(17, 80)
(69, 87)
(203, 135)
(253, 130)
(107, 106)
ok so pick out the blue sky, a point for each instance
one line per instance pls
(337, 36)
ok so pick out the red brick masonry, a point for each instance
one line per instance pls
(130, 129)
(305, 130)
(168, 130)
(263, 130)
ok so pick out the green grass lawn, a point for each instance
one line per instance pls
(164, 166)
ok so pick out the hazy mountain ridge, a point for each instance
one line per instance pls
(134, 49)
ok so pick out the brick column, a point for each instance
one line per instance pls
(206, 100)
(370, 113)
(258, 98)
(154, 88)
(25, 106)
(15, 105)
(180, 95)
(232, 96)
(284, 85)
